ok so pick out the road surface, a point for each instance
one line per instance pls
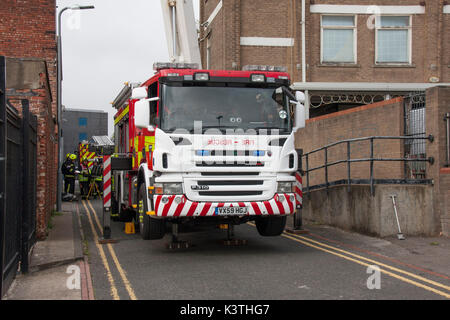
(289, 267)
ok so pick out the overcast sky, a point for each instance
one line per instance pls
(118, 41)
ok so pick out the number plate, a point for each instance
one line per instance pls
(225, 211)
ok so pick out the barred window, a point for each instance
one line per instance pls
(338, 35)
(393, 39)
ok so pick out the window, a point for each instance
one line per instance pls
(82, 136)
(338, 39)
(82, 122)
(393, 39)
(153, 93)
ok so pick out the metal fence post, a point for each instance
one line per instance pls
(25, 184)
(372, 190)
(307, 175)
(2, 168)
(326, 168)
(447, 120)
(348, 167)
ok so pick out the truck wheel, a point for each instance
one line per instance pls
(298, 220)
(149, 228)
(270, 226)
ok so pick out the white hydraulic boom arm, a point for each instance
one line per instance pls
(181, 31)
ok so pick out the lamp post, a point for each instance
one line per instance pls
(59, 101)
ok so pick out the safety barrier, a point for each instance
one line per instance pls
(371, 159)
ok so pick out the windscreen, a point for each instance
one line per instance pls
(223, 108)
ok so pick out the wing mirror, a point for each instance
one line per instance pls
(139, 93)
(300, 112)
(142, 114)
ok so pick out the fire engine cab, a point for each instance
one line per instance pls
(208, 147)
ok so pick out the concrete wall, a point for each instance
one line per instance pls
(358, 211)
(379, 119)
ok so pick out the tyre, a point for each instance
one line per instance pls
(298, 220)
(149, 228)
(270, 226)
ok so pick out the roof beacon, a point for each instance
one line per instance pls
(263, 68)
(157, 66)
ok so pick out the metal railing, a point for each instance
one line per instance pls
(372, 159)
(447, 120)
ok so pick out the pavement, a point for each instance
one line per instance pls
(58, 268)
(323, 263)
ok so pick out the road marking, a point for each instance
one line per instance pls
(114, 292)
(417, 284)
(379, 256)
(437, 284)
(116, 261)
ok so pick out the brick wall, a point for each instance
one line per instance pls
(359, 122)
(27, 30)
(281, 19)
(29, 80)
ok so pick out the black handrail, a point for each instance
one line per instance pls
(372, 181)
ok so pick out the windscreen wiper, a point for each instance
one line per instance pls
(215, 127)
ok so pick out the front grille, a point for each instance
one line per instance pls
(229, 193)
(210, 174)
(231, 183)
(229, 165)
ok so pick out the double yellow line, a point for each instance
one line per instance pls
(114, 292)
(350, 256)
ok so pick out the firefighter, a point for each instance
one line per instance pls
(69, 170)
(83, 177)
(99, 176)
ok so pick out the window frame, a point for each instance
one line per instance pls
(85, 122)
(355, 37)
(409, 37)
(85, 134)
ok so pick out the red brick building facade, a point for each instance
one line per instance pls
(394, 46)
(345, 54)
(27, 39)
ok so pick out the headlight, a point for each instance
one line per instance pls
(284, 187)
(168, 188)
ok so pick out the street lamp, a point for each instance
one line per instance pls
(59, 101)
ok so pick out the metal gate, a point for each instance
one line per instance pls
(18, 152)
(414, 127)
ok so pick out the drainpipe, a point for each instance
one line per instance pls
(303, 22)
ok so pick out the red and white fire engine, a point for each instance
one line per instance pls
(208, 147)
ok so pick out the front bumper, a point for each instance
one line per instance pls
(180, 206)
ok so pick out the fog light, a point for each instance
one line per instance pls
(284, 187)
(281, 198)
(165, 200)
(178, 200)
(291, 198)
